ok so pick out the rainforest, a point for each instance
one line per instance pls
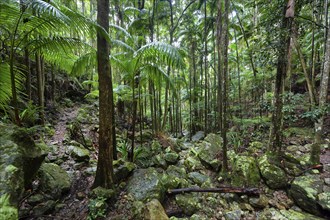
(164, 109)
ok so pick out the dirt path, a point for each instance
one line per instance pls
(74, 205)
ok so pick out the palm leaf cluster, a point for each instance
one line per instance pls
(49, 29)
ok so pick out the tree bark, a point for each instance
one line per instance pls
(316, 147)
(275, 140)
(104, 173)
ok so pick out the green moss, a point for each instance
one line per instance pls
(7, 211)
(245, 171)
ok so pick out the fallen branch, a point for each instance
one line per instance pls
(237, 190)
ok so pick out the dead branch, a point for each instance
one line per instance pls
(237, 190)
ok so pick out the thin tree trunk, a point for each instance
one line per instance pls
(316, 147)
(275, 141)
(225, 41)
(40, 88)
(53, 83)
(311, 90)
(28, 74)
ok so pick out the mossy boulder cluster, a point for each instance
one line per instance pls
(192, 165)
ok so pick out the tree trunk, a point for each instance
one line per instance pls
(40, 88)
(310, 86)
(275, 140)
(225, 40)
(316, 148)
(28, 74)
(104, 173)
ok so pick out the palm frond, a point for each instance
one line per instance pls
(122, 44)
(122, 30)
(158, 52)
(83, 63)
(157, 75)
(63, 44)
(43, 8)
(5, 83)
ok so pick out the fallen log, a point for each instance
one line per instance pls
(227, 189)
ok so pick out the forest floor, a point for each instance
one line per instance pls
(74, 205)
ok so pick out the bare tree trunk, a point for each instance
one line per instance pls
(104, 173)
(40, 87)
(28, 74)
(275, 140)
(311, 90)
(316, 149)
(225, 86)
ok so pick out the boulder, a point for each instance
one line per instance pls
(189, 203)
(145, 185)
(171, 158)
(198, 178)
(198, 136)
(292, 214)
(304, 190)
(79, 153)
(245, 171)
(20, 160)
(274, 214)
(154, 210)
(44, 208)
(123, 170)
(234, 215)
(100, 192)
(261, 202)
(209, 151)
(175, 177)
(273, 175)
(54, 180)
(324, 201)
(193, 163)
(160, 161)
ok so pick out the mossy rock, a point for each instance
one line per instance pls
(175, 177)
(54, 180)
(154, 210)
(193, 163)
(189, 203)
(324, 201)
(160, 161)
(100, 192)
(145, 185)
(198, 178)
(20, 160)
(209, 151)
(124, 170)
(274, 214)
(245, 171)
(292, 214)
(171, 158)
(304, 190)
(79, 153)
(44, 208)
(273, 175)
(234, 214)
